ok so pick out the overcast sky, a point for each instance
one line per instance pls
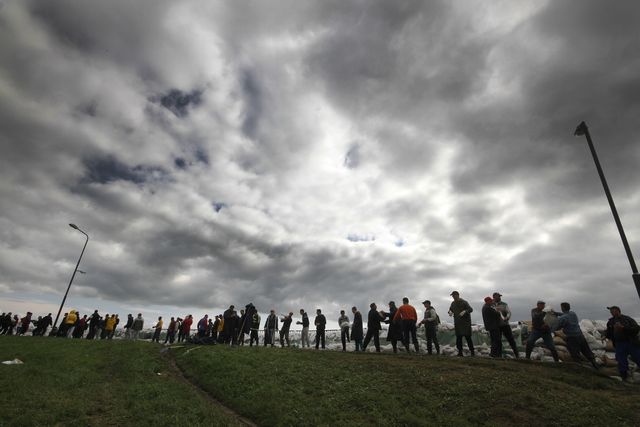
(317, 154)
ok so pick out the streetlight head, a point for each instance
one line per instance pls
(74, 226)
(581, 129)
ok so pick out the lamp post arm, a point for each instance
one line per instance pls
(72, 276)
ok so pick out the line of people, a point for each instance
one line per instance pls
(231, 328)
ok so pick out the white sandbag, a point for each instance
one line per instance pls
(588, 327)
(601, 326)
(551, 319)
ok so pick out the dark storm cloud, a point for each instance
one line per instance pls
(178, 102)
(253, 104)
(352, 158)
(108, 169)
(243, 151)
(582, 71)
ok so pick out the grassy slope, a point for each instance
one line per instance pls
(294, 387)
(80, 382)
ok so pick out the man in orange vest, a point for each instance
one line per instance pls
(408, 316)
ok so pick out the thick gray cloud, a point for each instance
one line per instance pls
(321, 154)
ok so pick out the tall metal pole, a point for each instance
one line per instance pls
(582, 129)
(75, 270)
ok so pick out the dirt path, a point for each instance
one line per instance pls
(175, 369)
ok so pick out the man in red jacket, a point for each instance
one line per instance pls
(408, 316)
(186, 326)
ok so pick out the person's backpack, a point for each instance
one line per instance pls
(437, 319)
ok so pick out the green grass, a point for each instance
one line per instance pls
(80, 382)
(295, 387)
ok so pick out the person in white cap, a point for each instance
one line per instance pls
(505, 329)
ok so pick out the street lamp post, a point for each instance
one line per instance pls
(582, 129)
(55, 329)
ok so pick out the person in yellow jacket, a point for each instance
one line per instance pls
(219, 329)
(158, 329)
(109, 325)
(70, 323)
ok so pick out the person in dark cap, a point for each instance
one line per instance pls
(430, 322)
(491, 319)
(505, 315)
(539, 329)
(460, 310)
(623, 331)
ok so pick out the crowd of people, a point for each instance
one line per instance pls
(232, 327)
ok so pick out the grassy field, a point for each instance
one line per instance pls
(295, 387)
(102, 383)
(80, 382)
